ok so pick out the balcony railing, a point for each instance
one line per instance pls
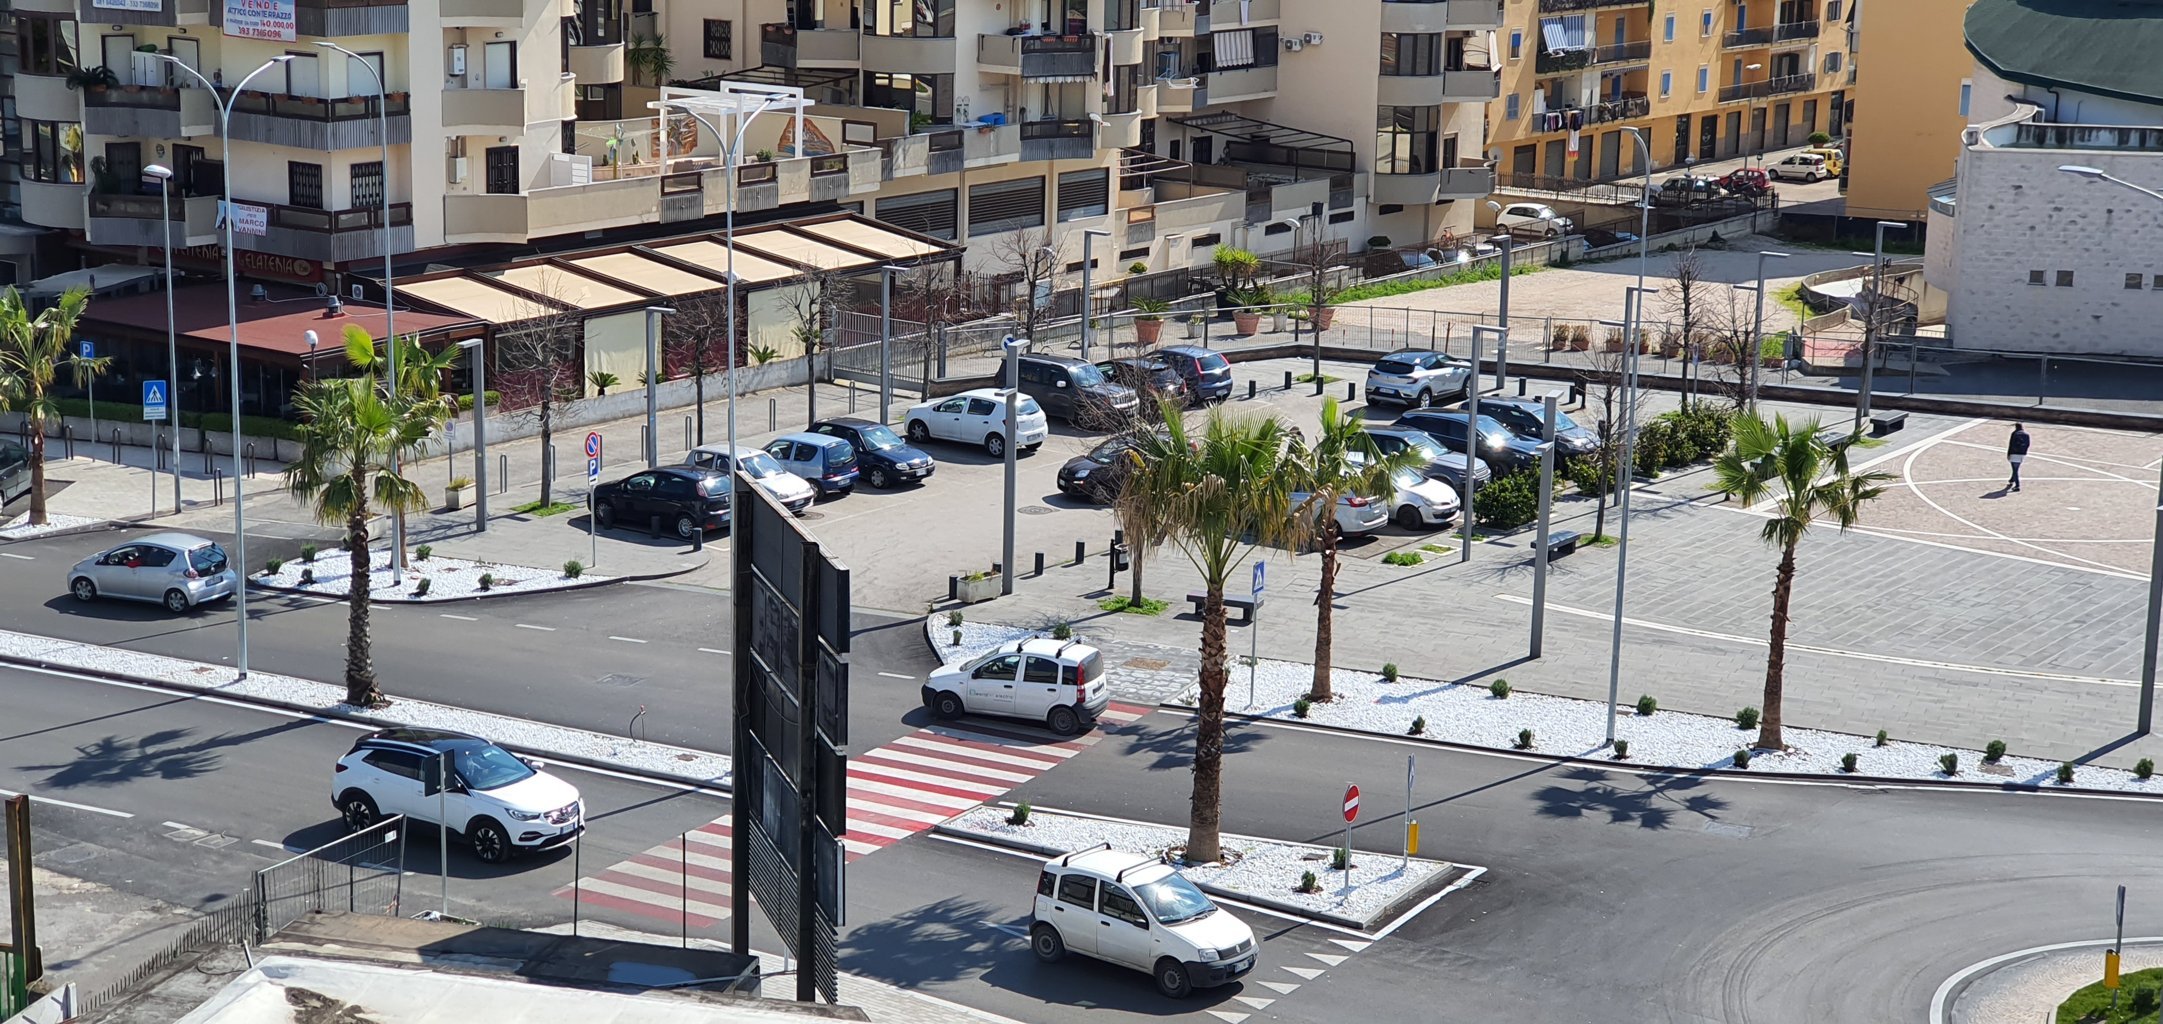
(1554, 63)
(1067, 56)
(1057, 139)
(310, 108)
(786, 46)
(1622, 108)
(2042, 135)
(320, 124)
(340, 17)
(1796, 30)
(1745, 37)
(1770, 87)
(1564, 6)
(336, 222)
(148, 111)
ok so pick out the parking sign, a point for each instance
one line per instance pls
(593, 458)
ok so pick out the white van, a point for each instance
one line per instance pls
(1059, 683)
(1135, 911)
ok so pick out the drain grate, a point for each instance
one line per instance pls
(1727, 831)
(810, 516)
(1036, 510)
(619, 679)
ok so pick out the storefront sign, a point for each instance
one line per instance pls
(247, 263)
(260, 19)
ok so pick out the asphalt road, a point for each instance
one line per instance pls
(587, 658)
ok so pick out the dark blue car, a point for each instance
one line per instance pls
(884, 459)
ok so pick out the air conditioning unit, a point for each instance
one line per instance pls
(1294, 46)
(458, 170)
(1313, 38)
(357, 294)
(458, 60)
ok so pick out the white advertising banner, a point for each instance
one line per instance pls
(152, 6)
(260, 19)
(247, 220)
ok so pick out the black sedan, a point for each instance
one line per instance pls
(881, 455)
(1100, 475)
(686, 499)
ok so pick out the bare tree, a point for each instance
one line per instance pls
(934, 296)
(695, 340)
(1684, 300)
(540, 363)
(1314, 263)
(812, 302)
(1604, 381)
(1036, 270)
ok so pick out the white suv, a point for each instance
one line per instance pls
(1057, 682)
(1418, 378)
(1135, 911)
(500, 803)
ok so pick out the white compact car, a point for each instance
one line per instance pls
(500, 803)
(1057, 682)
(1422, 501)
(1800, 167)
(978, 417)
(1532, 219)
(793, 492)
(177, 570)
(1135, 911)
(1356, 516)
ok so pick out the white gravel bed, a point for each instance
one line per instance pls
(1267, 871)
(691, 766)
(450, 579)
(2031, 989)
(976, 637)
(1468, 713)
(19, 527)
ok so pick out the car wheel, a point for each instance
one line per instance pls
(1172, 979)
(490, 844)
(1425, 399)
(1044, 940)
(946, 705)
(1409, 518)
(176, 600)
(604, 514)
(358, 810)
(878, 477)
(1063, 721)
(83, 589)
(995, 445)
(686, 527)
(919, 432)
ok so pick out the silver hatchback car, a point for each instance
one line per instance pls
(177, 570)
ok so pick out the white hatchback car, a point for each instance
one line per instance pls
(978, 417)
(500, 803)
(1532, 219)
(1057, 682)
(1422, 501)
(1800, 167)
(1135, 911)
(793, 492)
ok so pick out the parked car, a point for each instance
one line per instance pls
(828, 462)
(1440, 463)
(14, 471)
(977, 417)
(1421, 501)
(1357, 515)
(1208, 375)
(1532, 219)
(1059, 683)
(1498, 447)
(1150, 377)
(1418, 378)
(1688, 190)
(1134, 910)
(1600, 238)
(498, 802)
(689, 500)
(1801, 167)
(793, 492)
(1527, 419)
(1100, 474)
(882, 456)
(177, 570)
(1748, 182)
(1836, 162)
(1075, 391)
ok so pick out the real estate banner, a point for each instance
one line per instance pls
(260, 19)
(247, 220)
(152, 6)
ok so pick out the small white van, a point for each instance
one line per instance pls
(1058, 683)
(1133, 910)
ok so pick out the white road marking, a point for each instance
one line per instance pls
(1282, 988)
(11, 554)
(173, 824)
(1329, 959)
(709, 650)
(1907, 479)
(1308, 973)
(70, 804)
(1229, 1017)
(628, 639)
(276, 846)
(1352, 945)
(1255, 1001)
(896, 675)
(528, 625)
(461, 618)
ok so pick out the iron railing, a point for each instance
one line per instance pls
(362, 873)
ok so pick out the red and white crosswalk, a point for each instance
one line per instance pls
(895, 791)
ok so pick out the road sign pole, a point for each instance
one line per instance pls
(90, 351)
(593, 477)
(1351, 810)
(1254, 630)
(1404, 863)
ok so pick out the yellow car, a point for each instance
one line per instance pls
(1833, 160)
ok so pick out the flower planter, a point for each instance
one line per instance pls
(1670, 349)
(1277, 320)
(977, 590)
(1324, 316)
(454, 498)
(1246, 323)
(1194, 328)
(1580, 344)
(1147, 331)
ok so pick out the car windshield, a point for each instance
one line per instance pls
(1426, 446)
(1172, 899)
(1396, 366)
(1406, 478)
(879, 438)
(488, 767)
(208, 560)
(1087, 375)
(1109, 450)
(761, 465)
(1563, 421)
(1029, 406)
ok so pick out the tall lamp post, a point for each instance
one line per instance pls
(1088, 308)
(164, 175)
(886, 340)
(1870, 321)
(1013, 444)
(479, 356)
(2155, 553)
(232, 326)
(1623, 467)
(1758, 145)
(1757, 330)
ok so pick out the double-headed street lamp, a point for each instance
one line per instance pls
(1757, 330)
(1088, 308)
(479, 356)
(1871, 328)
(232, 325)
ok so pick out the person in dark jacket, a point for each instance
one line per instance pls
(2016, 452)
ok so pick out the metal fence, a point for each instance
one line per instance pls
(363, 873)
(229, 924)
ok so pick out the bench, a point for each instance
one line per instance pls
(1559, 543)
(1245, 606)
(1883, 423)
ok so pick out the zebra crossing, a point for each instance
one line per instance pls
(895, 791)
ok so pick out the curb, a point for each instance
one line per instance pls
(366, 718)
(1949, 992)
(141, 522)
(255, 584)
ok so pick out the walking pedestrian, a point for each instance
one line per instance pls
(2016, 452)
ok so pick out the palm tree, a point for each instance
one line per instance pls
(1806, 479)
(32, 351)
(1214, 495)
(349, 430)
(1342, 461)
(420, 382)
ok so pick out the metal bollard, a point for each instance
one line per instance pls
(698, 540)
(773, 414)
(1318, 385)
(248, 460)
(116, 446)
(953, 588)
(653, 526)
(503, 473)
(1287, 380)
(687, 433)
(852, 400)
(642, 438)
(217, 481)
(157, 448)
(1351, 391)
(1040, 563)
(1520, 387)
(209, 463)
(67, 437)
(1250, 389)
(1081, 551)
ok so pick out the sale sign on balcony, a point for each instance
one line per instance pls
(260, 19)
(247, 219)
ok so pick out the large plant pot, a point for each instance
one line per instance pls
(977, 591)
(1194, 328)
(1148, 331)
(454, 498)
(1246, 323)
(1324, 316)
(1277, 321)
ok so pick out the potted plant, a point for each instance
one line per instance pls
(765, 156)
(977, 587)
(1277, 311)
(1137, 268)
(1670, 344)
(97, 79)
(1149, 320)
(1612, 342)
(454, 494)
(1235, 268)
(602, 380)
(1247, 310)
(1580, 338)
(1324, 313)
(1194, 325)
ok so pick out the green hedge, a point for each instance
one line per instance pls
(465, 400)
(1489, 271)
(1508, 501)
(216, 422)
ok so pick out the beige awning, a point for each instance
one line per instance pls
(575, 290)
(476, 298)
(799, 249)
(650, 274)
(750, 269)
(871, 238)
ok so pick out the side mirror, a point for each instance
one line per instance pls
(1062, 383)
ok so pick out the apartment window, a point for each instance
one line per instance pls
(1517, 45)
(1406, 139)
(1832, 62)
(570, 137)
(2065, 279)
(921, 18)
(1408, 54)
(1341, 217)
(927, 213)
(1277, 227)
(1006, 206)
(1966, 89)
(304, 185)
(1667, 34)
(1704, 77)
(720, 39)
(1832, 10)
(2133, 282)
(1389, 208)
(1704, 25)
(2157, 283)
(1565, 33)
(49, 160)
(1205, 241)
(1139, 252)
(1667, 83)
(1084, 194)
(1511, 107)
(2036, 277)
(367, 182)
(929, 95)
(44, 45)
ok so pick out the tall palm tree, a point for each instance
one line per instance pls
(1806, 480)
(1215, 495)
(1340, 462)
(349, 430)
(420, 383)
(32, 351)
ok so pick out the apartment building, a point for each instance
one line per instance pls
(1910, 105)
(1703, 80)
(2033, 258)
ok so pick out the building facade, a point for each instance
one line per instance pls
(1703, 81)
(1910, 105)
(2035, 259)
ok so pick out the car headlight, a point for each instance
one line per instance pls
(519, 815)
(1206, 954)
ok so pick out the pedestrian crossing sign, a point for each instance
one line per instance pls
(153, 400)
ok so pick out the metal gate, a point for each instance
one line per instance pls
(363, 873)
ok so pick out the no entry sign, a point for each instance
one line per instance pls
(1351, 803)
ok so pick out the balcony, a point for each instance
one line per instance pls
(65, 8)
(988, 145)
(1437, 16)
(1235, 13)
(1781, 86)
(784, 45)
(647, 196)
(484, 13)
(1469, 86)
(1473, 180)
(1746, 38)
(1177, 19)
(1242, 84)
(328, 236)
(140, 111)
(1052, 57)
(51, 205)
(184, 12)
(598, 65)
(46, 98)
(323, 125)
(485, 111)
(917, 55)
(1566, 6)
(1127, 48)
(1056, 139)
(1122, 131)
(1594, 56)
(2045, 135)
(340, 18)
(1182, 95)
(1622, 108)
(1796, 31)
(137, 220)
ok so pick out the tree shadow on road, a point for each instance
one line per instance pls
(116, 760)
(936, 942)
(1649, 802)
(1170, 748)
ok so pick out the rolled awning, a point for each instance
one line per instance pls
(1234, 49)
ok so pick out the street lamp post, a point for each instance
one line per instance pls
(1088, 309)
(2154, 630)
(1623, 466)
(1870, 321)
(480, 432)
(653, 383)
(1502, 318)
(1757, 331)
(164, 175)
(1758, 145)
(232, 326)
(1050, 281)
(886, 340)
(1475, 440)
(1540, 551)
(1013, 443)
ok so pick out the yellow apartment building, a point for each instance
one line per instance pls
(1911, 105)
(1703, 79)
